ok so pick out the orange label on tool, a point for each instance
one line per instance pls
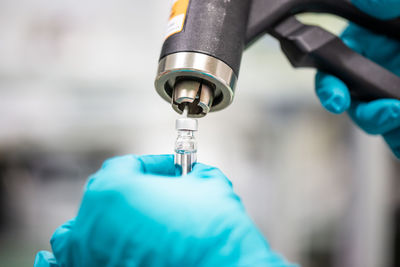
(177, 17)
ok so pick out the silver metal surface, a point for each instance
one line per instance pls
(184, 163)
(206, 98)
(195, 96)
(185, 91)
(196, 66)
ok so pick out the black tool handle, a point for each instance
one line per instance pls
(265, 14)
(312, 46)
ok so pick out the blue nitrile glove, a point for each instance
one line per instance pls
(136, 212)
(379, 116)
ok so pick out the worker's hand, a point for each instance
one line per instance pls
(379, 116)
(136, 212)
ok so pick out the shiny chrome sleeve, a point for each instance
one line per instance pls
(184, 163)
(183, 75)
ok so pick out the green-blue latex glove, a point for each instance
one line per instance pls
(136, 212)
(376, 117)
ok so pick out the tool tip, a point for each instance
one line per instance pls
(185, 112)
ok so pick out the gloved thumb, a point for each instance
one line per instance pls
(60, 242)
(158, 164)
(130, 164)
(45, 259)
(332, 93)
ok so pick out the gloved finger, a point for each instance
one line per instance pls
(365, 43)
(332, 93)
(121, 166)
(45, 259)
(60, 242)
(383, 9)
(127, 164)
(131, 164)
(392, 138)
(355, 37)
(158, 164)
(376, 117)
(204, 171)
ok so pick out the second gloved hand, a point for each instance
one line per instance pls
(376, 117)
(136, 212)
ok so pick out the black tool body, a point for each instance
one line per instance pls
(312, 46)
(265, 14)
(213, 27)
(223, 28)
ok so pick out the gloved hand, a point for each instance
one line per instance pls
(379, 116)
(136, 212)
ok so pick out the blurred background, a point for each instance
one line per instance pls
(76, 87)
